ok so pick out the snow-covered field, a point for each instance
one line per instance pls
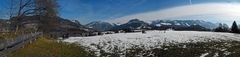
(152, 39)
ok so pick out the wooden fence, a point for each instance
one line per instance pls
(9, 45)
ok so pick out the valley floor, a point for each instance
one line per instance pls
(162, 44)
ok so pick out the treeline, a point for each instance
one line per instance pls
(225, 28)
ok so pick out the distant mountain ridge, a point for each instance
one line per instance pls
(202, 23)
(133, 24)
(157, 24)
(99, 25)
(34, 23)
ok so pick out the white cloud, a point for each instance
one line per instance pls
(222, 11)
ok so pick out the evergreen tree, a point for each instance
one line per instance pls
(234, 28)
(219, 28)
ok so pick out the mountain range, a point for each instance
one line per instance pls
(99, 25)
(65, 25)
(34, 23)
(157, 24)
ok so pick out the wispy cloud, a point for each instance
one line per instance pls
(223, 11)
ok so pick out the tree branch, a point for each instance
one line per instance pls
(26, 12)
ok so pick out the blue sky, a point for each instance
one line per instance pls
(94, 10)
(98, 10)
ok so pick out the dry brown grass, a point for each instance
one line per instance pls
(51, 48)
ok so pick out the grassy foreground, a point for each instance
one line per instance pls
(43, 47)
(8, 36)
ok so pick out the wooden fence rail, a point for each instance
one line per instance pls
(11, 44)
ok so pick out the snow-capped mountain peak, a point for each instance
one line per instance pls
(157, 24)
(99, 25)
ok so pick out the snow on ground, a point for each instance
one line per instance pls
(150, 39)
(205, 54)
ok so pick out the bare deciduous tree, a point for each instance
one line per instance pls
(48, 12)
(45, 9)
(25, 6)
(11, 8)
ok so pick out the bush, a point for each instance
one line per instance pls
(222, 28)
